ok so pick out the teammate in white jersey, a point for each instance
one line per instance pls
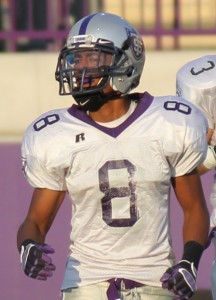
(117, 154)
(196, 81)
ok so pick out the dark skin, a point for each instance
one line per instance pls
(44, 206)
(188, 190)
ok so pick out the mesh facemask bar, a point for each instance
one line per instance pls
(78, 78)
(67, 75)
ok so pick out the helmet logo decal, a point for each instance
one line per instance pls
(137, 45)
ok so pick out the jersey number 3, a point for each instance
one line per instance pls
(211, 65)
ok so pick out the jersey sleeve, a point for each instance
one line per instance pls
(38, 169)
(187, 145)
(196, 82)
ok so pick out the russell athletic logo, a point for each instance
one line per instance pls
(80, 137)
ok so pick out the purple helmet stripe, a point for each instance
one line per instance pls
(84, 24)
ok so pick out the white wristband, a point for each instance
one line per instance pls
(210, 161)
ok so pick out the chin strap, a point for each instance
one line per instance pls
(92, 102)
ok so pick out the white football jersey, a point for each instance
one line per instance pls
(119, 183)
(196, 82)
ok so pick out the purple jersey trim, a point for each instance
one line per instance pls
(144, 102)
(85, 23)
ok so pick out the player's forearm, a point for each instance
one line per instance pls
(29, 230)
(196, 226)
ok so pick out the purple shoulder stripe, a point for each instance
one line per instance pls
(144, 102)
(85, 23)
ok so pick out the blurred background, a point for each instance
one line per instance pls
(29, 25)
(32, 32)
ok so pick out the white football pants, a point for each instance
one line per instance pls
(98, 291)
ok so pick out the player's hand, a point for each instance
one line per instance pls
(35, 261)
(181, 280)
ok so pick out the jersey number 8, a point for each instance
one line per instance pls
(112, 194)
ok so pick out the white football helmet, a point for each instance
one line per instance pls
(117, 55)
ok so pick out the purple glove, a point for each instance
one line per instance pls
(35, 261)
(180, 279)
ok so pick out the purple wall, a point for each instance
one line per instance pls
(15, 198)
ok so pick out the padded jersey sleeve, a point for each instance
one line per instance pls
(39, 168)
(196, 82)
(187, 146)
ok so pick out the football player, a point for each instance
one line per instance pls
(196, 81)
(117, 154)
